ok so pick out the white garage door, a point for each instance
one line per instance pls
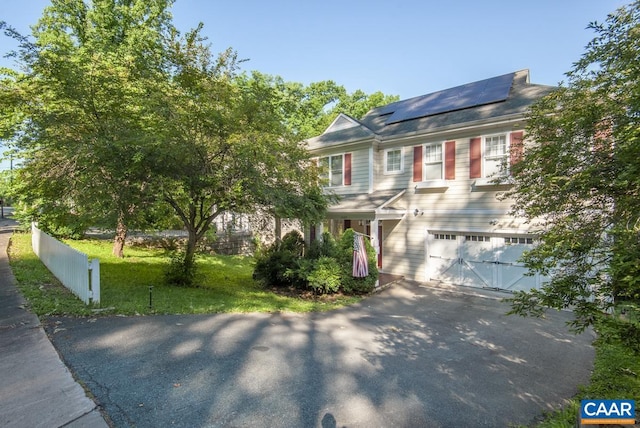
(479, 260)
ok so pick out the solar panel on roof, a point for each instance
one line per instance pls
(388, 109)
(465, 96)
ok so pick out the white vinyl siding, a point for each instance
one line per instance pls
(359, 172)
(384, 180)
(461, 210)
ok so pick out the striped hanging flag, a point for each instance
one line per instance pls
(360, 264)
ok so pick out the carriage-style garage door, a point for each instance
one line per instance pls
(479, 260)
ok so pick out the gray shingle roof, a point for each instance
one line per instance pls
(364, 201)
(374, 124)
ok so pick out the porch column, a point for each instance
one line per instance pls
(375, 242)
(373, 231)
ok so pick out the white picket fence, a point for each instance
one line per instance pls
(71, 267)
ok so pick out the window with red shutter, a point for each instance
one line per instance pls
(417, 163)
(347, 169)
(516, 148)
(475, 158)
(450, 160)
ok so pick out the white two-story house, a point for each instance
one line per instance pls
(417, 177)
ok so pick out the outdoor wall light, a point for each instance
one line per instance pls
(417, 211)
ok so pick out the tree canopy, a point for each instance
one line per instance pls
(119, 118)
(224, 146)
(81, 121)
(579, 183)
(308, 111)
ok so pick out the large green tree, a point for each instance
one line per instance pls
(80, 113)
(580, 182)
(308, 110)
(118, 113)
(225, 145)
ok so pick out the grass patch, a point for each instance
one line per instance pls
(44, 293)
(225, 284)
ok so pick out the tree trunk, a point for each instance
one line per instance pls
(190, 251)
(118, 241)
(278, 231)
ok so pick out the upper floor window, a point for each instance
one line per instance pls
(433, 162)
(393, 161)
(336, 169)
(495, 155)
(492, 155)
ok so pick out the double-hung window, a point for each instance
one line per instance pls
(490, 156)
(332, 170)
(393, 161)
(495, 155)
(433, 162)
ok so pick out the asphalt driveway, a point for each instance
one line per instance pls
(410, 356)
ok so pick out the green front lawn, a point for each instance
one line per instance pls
(225, 284)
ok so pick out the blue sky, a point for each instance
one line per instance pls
(408, 48)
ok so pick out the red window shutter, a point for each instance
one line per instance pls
(450, 160)
(475, 158)
(417, 163)
(347, 169)
(516, 147)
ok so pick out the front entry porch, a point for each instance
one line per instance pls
(369, 214)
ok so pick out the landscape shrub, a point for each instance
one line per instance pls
(326, 268)
(59, 224)
(325, 276)
(180, 273)
(322, 275)
(276, 266)
(326, 247)
(351, 285)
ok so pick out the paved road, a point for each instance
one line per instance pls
(410, 356)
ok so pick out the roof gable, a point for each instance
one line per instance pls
(342, 121)
(344, 129)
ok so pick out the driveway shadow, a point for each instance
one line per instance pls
(409, 356)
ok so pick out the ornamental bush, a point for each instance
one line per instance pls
(326, 267)
(344, 256)
(321, 275)
(275, 265)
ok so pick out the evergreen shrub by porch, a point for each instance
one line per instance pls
(273, 265)
(325, 267)
(324, 275)
(351, 285)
